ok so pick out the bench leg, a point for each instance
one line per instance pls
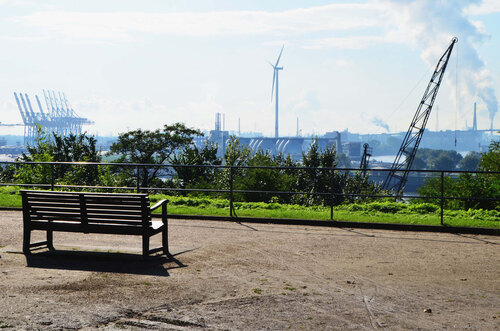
(50, 240)
(164, 240)
(145, 245)
(26, 240)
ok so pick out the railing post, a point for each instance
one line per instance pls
(52, 177)
(137, 179)
(231, 191)
(442, 196)
(331, 194)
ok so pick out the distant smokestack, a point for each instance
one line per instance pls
(474, 121)
(217, 121)
(239, 128)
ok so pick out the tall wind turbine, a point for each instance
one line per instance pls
(275, 80)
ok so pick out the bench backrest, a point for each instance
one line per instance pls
(88, 208)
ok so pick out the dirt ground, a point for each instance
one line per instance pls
(230, 276)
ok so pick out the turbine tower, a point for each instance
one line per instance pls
(275, 80)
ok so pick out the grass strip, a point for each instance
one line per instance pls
(375, 212)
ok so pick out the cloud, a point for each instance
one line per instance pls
(427, 28)
(113, 116)
(486, 7)
(305, 102)
(351, 42)
(122, 26)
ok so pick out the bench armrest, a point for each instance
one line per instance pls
(160, 203)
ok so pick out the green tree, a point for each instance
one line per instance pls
(470, 162)
(197, 177)
(468, 186)
(151, 147)
(442, 162)
(57, 148)
(42, 151)
(319, 176)
(344, 161)
(436, 159)
(236, 154)
(418, 163)
(265, 179)
(490, 161)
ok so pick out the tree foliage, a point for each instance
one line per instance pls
(151, 147)
(434, 159)
(57, 148)
(490, 161)
(315, 180)
(470, 162)
(196, 177)
(467, 186)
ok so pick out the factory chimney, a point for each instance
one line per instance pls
(217, 122)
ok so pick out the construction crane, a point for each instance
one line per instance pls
(365, 159)
(397, 176)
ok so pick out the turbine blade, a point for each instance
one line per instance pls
(279, 57)
(270, 64)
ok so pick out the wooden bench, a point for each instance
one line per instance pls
(109, 213)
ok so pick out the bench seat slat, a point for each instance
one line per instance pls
(114, 217)
(102, 228)
(47, 219)
(68, 208)
(90, 216)
(116, 221)
(113, 206)
(57, 206)
(53, 220)
(53, 214)
(97, 200)
(52, 200)
(114, 212)
(114, 200)
(66, 193)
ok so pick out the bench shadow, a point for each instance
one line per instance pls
(157, 265)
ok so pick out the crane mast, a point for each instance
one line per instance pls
(365, 159)
(397, 176)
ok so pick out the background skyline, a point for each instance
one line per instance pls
(359, 66)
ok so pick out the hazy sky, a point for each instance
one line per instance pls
(357, 65)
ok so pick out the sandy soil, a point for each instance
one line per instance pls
(229, 276)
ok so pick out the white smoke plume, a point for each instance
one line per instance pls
(430, 25)
(380, 123)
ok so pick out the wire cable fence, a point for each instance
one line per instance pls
(328, 187)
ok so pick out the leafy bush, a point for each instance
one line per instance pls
(423, 208)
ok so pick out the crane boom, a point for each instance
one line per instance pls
(397, 176)
(20, 108)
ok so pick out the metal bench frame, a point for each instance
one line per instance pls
(107, 213)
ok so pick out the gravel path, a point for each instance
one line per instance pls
(230, 276)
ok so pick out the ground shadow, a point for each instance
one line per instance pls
(105, 262)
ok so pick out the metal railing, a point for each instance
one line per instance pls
(230, 192)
